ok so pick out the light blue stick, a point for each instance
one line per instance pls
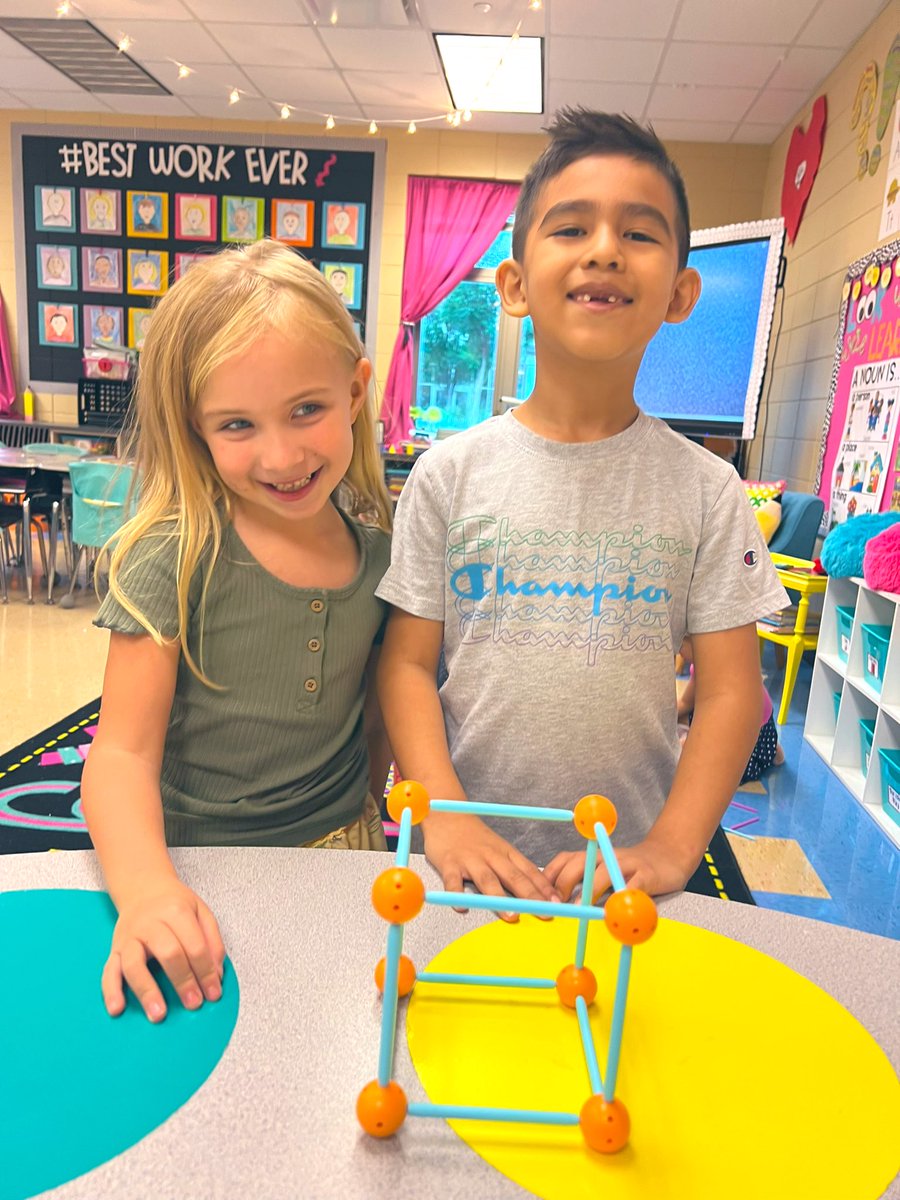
(502, 810)
(486, 980)
(618, 1023)
(587, 892)
(389, 1004)
(538, 908)
(465, 1112)
(403, 837)
(609, 858)
(587, 1041)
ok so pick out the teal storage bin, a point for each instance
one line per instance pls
(890, 783)
(866, 733)
(844, 614)
(875, 641)
(837, 704)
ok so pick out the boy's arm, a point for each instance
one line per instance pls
(159, 917)
(460, 847)
(727, 714)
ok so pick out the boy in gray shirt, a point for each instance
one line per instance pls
(560, 553)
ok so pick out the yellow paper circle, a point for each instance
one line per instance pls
(741, 1078)
(857, 288)
(845, 291)
(885, 276)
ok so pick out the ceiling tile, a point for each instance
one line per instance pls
(804, 68)
(698, 103)
(63, 101)
(132, 10)
(281, 83)
(629, 98)
(693, 131)
(839, 23)
(10, 48)
(7, 99)
(763, 135)
(292, 46)
(598, 59)
(774, 106)
(410, 50)
(648, 19)
(459, 16)
(249, 109)
(186, 41)
(152, 106)
(419, 95)
(33, 72)
(723, 66)
(265, 12)
(755, 21)
(207, 80)
(366, 14)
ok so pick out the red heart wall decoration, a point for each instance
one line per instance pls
(800, 167)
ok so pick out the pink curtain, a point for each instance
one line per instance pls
(449, 225)
(7, 375)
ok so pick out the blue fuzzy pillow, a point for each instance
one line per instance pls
(844, 548)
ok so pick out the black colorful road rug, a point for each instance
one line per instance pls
(40, 805)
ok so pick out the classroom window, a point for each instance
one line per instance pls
(469, 354)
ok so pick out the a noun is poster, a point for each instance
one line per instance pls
(857, 463)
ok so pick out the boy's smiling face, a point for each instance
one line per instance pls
(600, 268)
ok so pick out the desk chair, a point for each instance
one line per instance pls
(31, 499)
(102, 501)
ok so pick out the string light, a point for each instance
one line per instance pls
(453, 118)
(63, 10)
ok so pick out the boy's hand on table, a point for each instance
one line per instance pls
(650, 866)
(464, 848)
(163, 920)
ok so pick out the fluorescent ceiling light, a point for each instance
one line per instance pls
(493, 74)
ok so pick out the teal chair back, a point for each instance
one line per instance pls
(103, 499)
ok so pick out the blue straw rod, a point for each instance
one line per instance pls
(537, 908)
(403, 838)
(618, 1022)
(587, 1041)
(502, 810)
(587, 892)
(520, 981)
(609, 858)
(467, 1112)
(389, 1004)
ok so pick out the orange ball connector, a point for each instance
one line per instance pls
(605, 1124)
(591, 810)
(398, 895)
(573, 981)
(406, 975)
(408, 794)
(630, 916)
(381, 1110)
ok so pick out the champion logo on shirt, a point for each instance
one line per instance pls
(751, 558)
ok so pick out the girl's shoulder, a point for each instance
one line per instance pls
(377, 543)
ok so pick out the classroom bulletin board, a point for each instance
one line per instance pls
(858, 467)
(107, 222)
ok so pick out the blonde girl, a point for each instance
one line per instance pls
(244, 626)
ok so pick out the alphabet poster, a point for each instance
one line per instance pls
(127, 217)
(858, 463)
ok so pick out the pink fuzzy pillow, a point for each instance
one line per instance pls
(881, 560)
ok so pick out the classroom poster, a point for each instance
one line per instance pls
(858, 461)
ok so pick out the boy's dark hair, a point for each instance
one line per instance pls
(577, 133)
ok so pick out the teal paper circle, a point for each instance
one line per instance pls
(80, 1086)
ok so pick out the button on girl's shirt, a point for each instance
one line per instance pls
(317, 605)
(314, 644)
(311, 685)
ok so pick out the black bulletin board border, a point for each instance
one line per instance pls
(347, 170)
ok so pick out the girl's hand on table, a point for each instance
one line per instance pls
(653, 867)
(167, 922)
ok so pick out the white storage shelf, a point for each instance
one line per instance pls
(836, 736)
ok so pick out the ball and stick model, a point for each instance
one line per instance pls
(399, 895)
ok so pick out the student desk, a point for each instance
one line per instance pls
(276, 1118)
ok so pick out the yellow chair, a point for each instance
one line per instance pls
(796, 576)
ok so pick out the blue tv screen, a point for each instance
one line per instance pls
(705, 375)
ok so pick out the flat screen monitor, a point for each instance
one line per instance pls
(705, 376)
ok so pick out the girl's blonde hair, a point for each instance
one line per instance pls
(219, 308)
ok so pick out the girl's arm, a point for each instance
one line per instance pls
(460, 847)
(159, 917)
(376, 735)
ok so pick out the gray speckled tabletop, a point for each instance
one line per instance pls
(276, 1120)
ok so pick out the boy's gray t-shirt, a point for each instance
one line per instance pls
(566, 576)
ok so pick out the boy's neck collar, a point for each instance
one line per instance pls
(578, 421)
